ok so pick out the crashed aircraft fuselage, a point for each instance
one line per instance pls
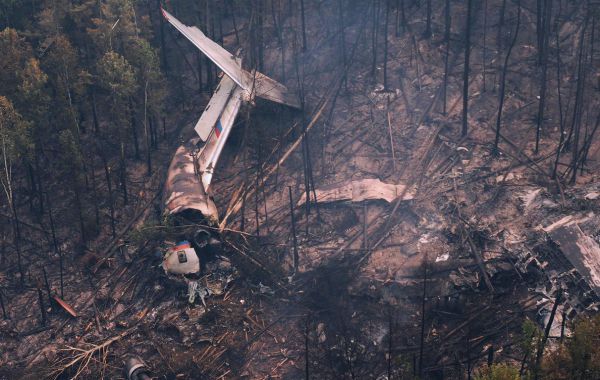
(187, 188)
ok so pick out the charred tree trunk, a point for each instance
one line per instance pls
(57, 249)
(538, 28)
(423, 303)
(343, 38)
(134, 133)
(31, 184)
(587, 144)
(484, 49)
(578, 107)
(500, 35)
(447, 54)
(199, 68)
(208, 63)
(375, 38)
(466, 70)
(95, 197)
(544, 76)
(540, 351)
(428, 25)
(146, 132)
(4, 315)
(503, 79)
(294, 239)
(79, 207)
(385, 46)
(111, 205)
(163, 49)
(123, 175)
(559, 99)
(40, 186)
(279, 30)
(303, 25)
(403, 15)
(17, 239)
(235, 28)
(260, 37)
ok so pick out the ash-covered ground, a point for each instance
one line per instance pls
(433, 284)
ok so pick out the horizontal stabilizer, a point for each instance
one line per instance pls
(267, 88)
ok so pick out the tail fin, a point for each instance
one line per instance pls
(256, 84)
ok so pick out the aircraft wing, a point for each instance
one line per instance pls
(255, 84)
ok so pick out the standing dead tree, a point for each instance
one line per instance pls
(466, 69)
(385, 46)
(500, 36)
(559, 96)
(375, 36)
(447, 53)
(303, 25)
(428, 25)
(293, 220)
(503, 79)
(578, 107)
(544, 61)
(423, 304)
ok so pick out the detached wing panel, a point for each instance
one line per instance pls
(221, 57)
(215, 107)
(209, 155)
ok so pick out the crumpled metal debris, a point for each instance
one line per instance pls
(582, 251)
(263, 289)
(464, 278)
(136, 369)
(194, 289)
(213, 285)
(360, 190)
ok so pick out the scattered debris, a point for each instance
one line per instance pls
(136, 369)
(580, 249)
(68, 308)
(592, 196)
(361, 190)
(505, 178)
(529, 197)
(194, 289)
(263, 289)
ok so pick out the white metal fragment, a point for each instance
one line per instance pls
(360, 190)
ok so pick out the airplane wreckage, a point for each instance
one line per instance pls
(187, 192)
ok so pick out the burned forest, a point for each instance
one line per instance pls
(300, 189)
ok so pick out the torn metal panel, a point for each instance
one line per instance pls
(215, 108)
(183, 187)
(581, 250)
(360, 190)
